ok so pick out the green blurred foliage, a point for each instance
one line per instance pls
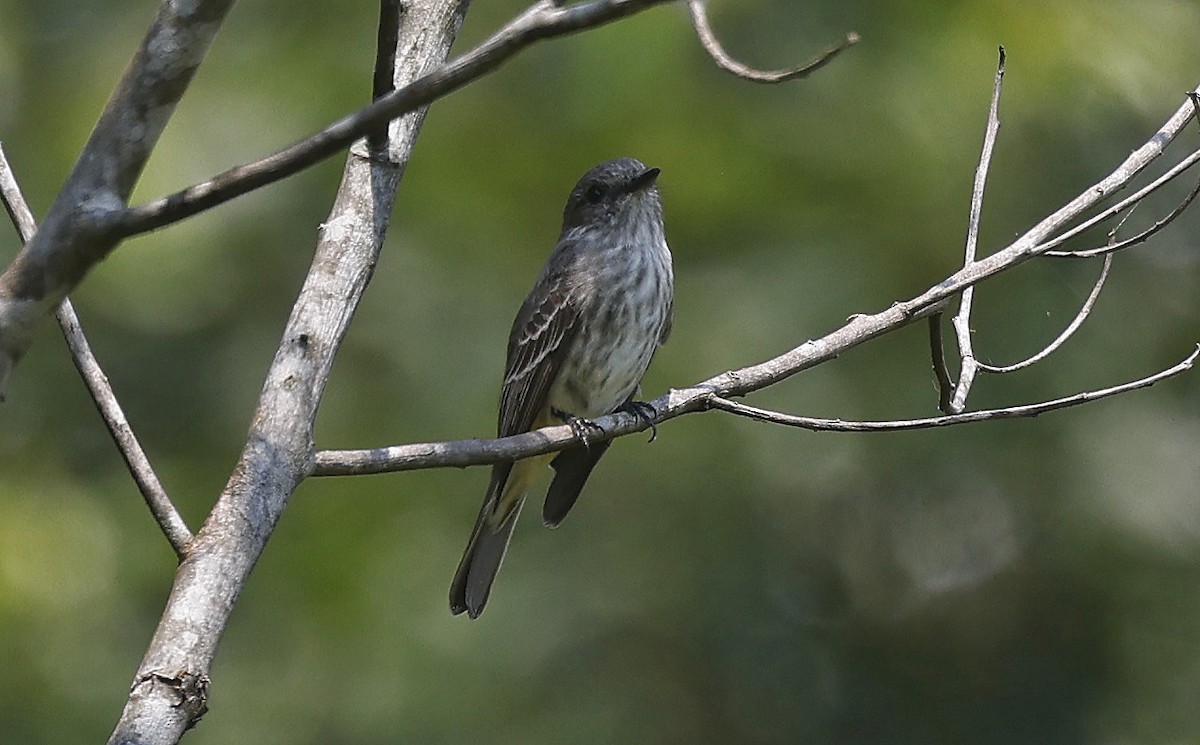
(1013, 582)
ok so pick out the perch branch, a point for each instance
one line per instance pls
(857, 330)
(461, 453)
(157, 499)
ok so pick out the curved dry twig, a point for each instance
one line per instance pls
(165, 513)
(1067, 333)
(1134, 240)
(1027, 410)
(698, 9)
(1173, 173)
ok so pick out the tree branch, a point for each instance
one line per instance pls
(169, 691)
(1066, 334)
(1135, 198)
(1114, 246)
(1011, 412)
(545, 19)
(76, 232)
(703, 397)
(937, 354)
(962, 319)
(160, 504)
(698, 9)
(859, 329)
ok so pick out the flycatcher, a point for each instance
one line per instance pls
(578, 349)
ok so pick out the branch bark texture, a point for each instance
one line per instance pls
(169, 691)
(76, 232)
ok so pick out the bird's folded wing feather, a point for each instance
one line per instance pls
(540, 337)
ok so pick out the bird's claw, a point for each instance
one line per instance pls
(645, 413)
(580, 427)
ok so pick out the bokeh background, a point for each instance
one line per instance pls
(1012, 582)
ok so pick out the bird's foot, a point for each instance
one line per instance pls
(580, 427)
(644, 412)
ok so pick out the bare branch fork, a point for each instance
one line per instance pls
(715, 392)
(953, 396)
(74, 234)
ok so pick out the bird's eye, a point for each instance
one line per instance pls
(594, 194)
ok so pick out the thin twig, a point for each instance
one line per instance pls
(1141, 237)
(1071, 328)
(172, 523)
(937, 352)
(1027, 410)
(383, 79)
(1138, 196)
(699, 12)
(545, 19)
(962, 319)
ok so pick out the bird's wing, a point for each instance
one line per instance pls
(668, 322)
(540, 337)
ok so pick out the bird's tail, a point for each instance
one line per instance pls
(572, 468)
(480, 563)
(489, 539)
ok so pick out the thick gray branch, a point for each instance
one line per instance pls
(168, 693)
(76, 232)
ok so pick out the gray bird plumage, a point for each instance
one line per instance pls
(579, 347)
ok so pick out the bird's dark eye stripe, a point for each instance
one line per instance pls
(594, 193)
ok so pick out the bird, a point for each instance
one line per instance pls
(578, 349)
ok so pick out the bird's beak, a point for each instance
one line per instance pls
(643, 179)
